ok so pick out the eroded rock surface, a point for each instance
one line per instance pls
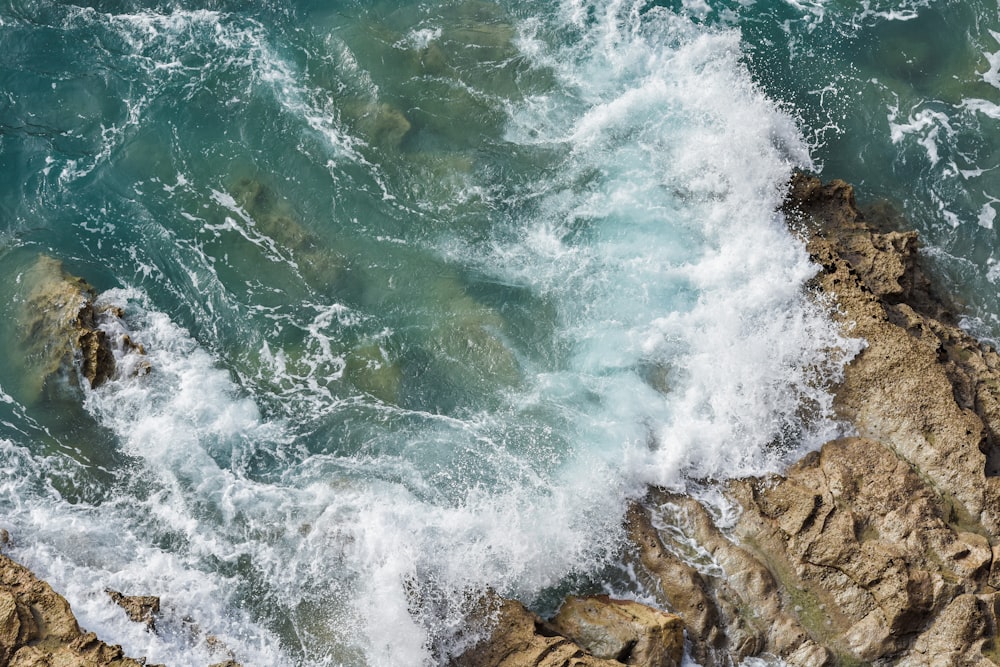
(59, 322)
(38, 628)
(625, 633)
(140, 608)
(622, 630)
(60, 325)
(879, 547)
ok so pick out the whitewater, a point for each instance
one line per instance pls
(429, 293)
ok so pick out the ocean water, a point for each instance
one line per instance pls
(429, 292)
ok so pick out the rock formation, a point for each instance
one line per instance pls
(614, 632)
(622, 630)
(878, 548)
(140, 608)
(60, 324)
(38, 628)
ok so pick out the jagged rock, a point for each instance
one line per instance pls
(923, 386)
(874, 549)
(879, 547)
(734, 609)
(60, 325)
(59, 322)
(622, 630)
(38, 628)
(519, 638)
(140, 608)
(964, 633)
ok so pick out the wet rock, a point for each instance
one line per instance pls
(629, 632)
(878, 547)
(519, 638)
(732, 605)
(62, 326)
(140, 608)
(273, 216)
(37, 626)
(385, 124)
(59, 325)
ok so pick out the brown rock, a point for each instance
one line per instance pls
(684, 589)
(746, 608)
(629, 632)
(877, 548)
(519, 638)
(59, 327)
(140, 608)
(923, 387)
(877, 555)
(37, 626)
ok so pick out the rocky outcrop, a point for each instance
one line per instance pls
(614, 632)
(878, 547)
(60, 325)
(37, 626)
(924, 387)
(622, 630)
(140, 608)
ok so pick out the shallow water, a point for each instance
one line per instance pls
(430, 292)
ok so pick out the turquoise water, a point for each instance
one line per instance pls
(430, 292)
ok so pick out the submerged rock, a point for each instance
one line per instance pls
(273, 216)
(37, 626)
(371, 370)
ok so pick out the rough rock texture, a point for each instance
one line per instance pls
(923, 387)
(37, 627)
(879, 547)
(622, 630)
(140, 608)
(635, 634)
(59, 326)
(731, 603)
(59, 323)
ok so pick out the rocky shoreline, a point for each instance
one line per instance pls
(881, 547)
